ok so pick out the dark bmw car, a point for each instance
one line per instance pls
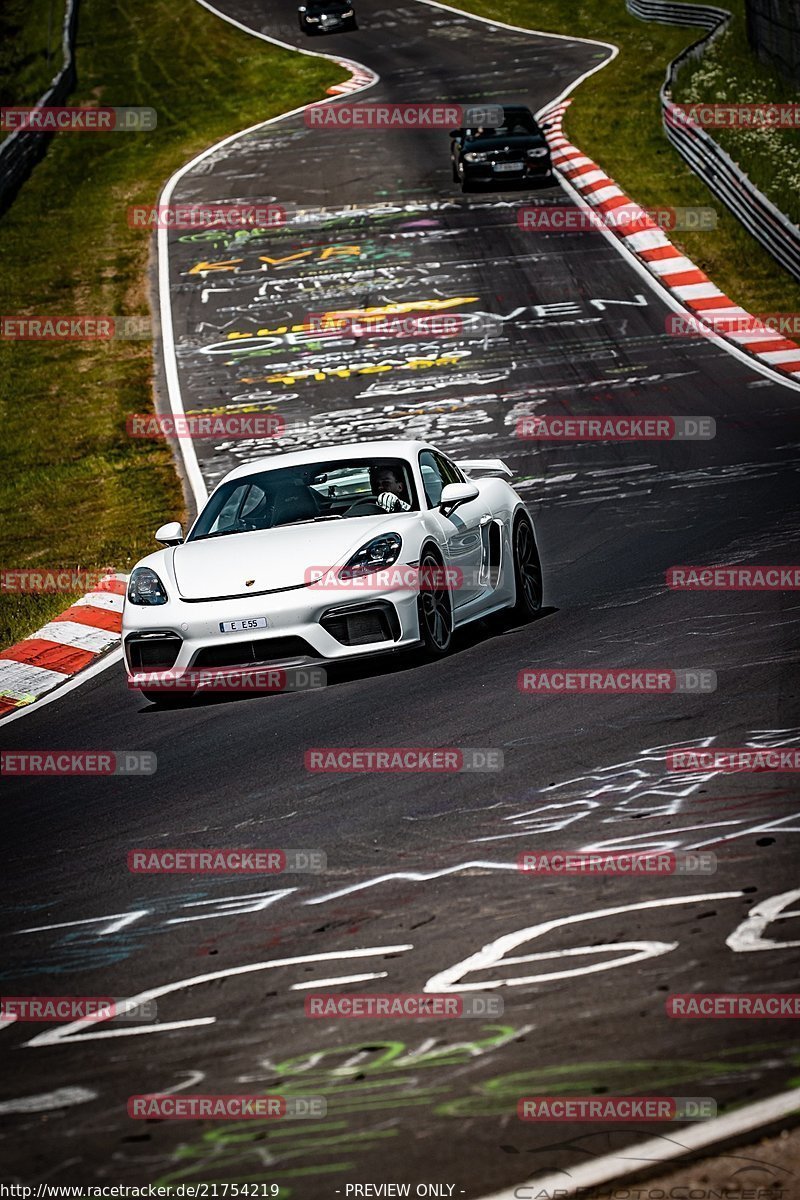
(326, 16)
(515, 151)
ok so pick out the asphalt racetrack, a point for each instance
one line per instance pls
(421, 869)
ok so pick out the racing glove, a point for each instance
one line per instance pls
(391, 503)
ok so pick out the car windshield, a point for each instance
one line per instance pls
(322, 491)
(516, 124)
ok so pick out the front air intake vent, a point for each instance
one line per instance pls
(362, 625)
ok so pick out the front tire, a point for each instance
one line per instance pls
(527, 572)
(435, 608)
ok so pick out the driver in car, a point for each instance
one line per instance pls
(390, 490)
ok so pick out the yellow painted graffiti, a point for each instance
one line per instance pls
(404, 307)
(328, 252)
(330, 319)
(202, 268)
(231, 264)
(413, 364)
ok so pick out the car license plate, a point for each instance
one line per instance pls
(508, 166)
(243, 626)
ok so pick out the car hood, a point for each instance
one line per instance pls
(273, 559)
(520, 141)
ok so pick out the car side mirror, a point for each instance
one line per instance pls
(170, 534)
(455, 494)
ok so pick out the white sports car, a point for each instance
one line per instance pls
(306, 558)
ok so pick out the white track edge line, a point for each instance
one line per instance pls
(669, 297)
(61, 689)
(187, 451)
(611, 1167)
(191, 465)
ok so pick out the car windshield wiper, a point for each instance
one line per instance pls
(201, 537)
(323, 517)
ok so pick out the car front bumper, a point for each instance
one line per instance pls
(304, 625)
(329, 26)
(488, 172)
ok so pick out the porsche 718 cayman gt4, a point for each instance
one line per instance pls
(321, 555)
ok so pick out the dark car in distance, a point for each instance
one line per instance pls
(515, 151)
(326, 16)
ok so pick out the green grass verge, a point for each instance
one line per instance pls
(729, 71)
(615, 119)
(30, 48)
(74, 489)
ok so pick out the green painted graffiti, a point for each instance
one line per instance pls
(380, 1078)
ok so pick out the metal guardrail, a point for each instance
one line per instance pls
(708, 160)
(22, 149)
(704, 15)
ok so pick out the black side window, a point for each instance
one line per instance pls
(448, 470)
(432, 479)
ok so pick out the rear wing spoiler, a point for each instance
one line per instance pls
(487, 466)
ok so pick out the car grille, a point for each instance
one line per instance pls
(361, 626)
(508, 155)
(153, 651)
(260, 650)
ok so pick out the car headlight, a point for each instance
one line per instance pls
(381, 552)
(476, 156)
(538, 153)
(144, 587)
